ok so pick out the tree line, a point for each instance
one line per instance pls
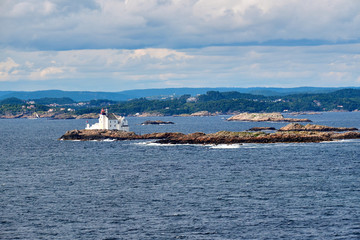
(212, 101)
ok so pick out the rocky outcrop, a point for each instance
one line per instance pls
(264, 117)
(314, 127)
(255, 129)
(222, 137)
(57, 116)
(87, 135)
(161, 135)
(10, 116)
(41, 115)
(88, 116)
(63, 116)
(157, 122)
(305, 113)
(241, 137)
(201, 114)
(198, 114)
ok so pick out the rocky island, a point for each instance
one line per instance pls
(265, 117)
(156, 122)
(222, 137)
(315, 128)
(197, 114)
(256, 129)
(51, 116)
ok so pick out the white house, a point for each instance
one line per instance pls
(110, 121)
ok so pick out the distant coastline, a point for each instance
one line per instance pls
(64, 116)
(210, 104)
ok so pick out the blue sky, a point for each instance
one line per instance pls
(115, 45)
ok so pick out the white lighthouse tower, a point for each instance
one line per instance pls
(110, 121)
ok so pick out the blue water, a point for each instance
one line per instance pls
(52, 189)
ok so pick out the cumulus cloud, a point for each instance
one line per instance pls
(125, 44)
(41, 74)
(162, 54)
(103, 64)
(8, 69)
(240, 66)
(97, 24)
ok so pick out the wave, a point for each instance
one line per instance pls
(226, 146)
(246, 145)
(149, 143)
(108, 140)
(220, 146)
(343, 141)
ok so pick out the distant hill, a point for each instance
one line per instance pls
(62, 101)
(212, 101)
(288, 91)
(75, 95)
(5, 93)
(12, 101)
(157, 93)
(256, 91)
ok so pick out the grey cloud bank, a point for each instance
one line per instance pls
(117, 45)
(68, 25)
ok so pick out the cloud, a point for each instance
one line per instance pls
(226, 66)
(162, 54)
(107, 64)
(157, 77)
(40, 74)
(8, 69)
(137, 24)
(27, 8)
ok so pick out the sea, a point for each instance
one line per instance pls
(52, 189)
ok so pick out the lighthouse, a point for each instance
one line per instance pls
(110, 121)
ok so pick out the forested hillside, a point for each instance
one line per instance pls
(227, 102)
(212, 101)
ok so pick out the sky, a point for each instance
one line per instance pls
(115, 45)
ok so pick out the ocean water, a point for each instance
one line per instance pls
(52, 189)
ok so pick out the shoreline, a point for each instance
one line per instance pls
(317, 134)
(62, 116)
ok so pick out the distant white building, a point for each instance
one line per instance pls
(191, 99)
(110, 121)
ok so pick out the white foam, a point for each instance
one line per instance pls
(108, 140)
(226, 146)
(102, 140)
(342, 141)
(149, 143)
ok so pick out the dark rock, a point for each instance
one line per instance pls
(161, 135)
(86, 135)
(157, 122)
(261, 128)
